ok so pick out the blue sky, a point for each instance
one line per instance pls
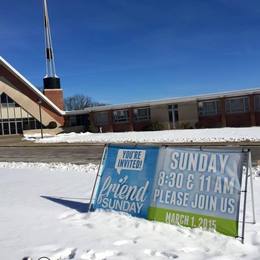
(119, 51)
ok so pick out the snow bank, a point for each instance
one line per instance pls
(51, 166)
(256, 171)
(248, 134)
(38, 135)
(43, 213)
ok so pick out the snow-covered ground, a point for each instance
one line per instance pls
(43, 213)
(247, 134)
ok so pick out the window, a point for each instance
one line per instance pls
(32, 123)
(25, 124)
(11, 103)
(13, 128)
(72, 121)
(6, 128)
(237, 105)
(3, 98)
(142, 114)
(7, 101)
(120, 116)
(101, 118)
(209, 108)
(257, 103)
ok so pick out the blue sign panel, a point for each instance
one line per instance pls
(126, 182)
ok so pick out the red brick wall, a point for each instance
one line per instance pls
(257, 118)
(131, 125)
(55, 115)
(140, 126)
(56, 96)
(122, 127)
(238, 119)
(105, 128)
(232, 119)
(210, 121)
(221, 120)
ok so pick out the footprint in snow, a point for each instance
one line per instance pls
(190, 249)
(88, 225)
(164, 254)
(64, 254)
(92, 255)
(67, 214)
(124, 242)
(256, 239)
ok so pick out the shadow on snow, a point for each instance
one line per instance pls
(81, 207)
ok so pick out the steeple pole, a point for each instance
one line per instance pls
(49, 54)
(51, 80)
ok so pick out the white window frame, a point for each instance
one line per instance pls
(145, 117)
(121, 116)
(101, 118)
(230, 105)
(203, 109)
(257, 103)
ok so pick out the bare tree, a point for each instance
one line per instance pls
(78, 102)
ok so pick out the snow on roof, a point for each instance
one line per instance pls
(177, 100)
(30, 85)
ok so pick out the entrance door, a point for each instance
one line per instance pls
(6, 128)
(19, 128)
(173, 116)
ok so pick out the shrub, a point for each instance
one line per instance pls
(154, 126)
(52, 125)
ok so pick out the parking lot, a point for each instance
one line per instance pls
(14, 149)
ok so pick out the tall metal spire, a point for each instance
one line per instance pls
(51, 80)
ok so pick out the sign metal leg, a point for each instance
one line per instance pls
(252, 187)
(245, 197)
(96, 179)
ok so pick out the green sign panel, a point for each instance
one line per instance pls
(198, 189)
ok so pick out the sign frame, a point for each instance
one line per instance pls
(243, 190)
(248, 174)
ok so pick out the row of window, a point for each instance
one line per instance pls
(6, 101)
(13, 118)
(18, 125)
(232, 105)
(206, 108)
(122, 116)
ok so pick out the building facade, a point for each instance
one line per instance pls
(23, 107)
(19, 105)
(229, 109)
